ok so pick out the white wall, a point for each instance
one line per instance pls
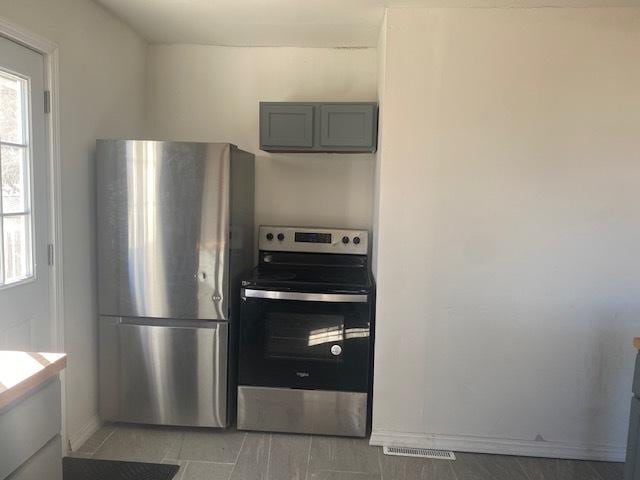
(509, 225)
(208, 93)
(102, 74)
(382, 85)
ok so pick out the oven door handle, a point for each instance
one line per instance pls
(305, 297)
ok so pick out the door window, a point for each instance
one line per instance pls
(16, 249)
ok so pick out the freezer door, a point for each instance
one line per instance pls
(163, 229)
(167, 373)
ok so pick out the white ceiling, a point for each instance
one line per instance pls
(305, 23)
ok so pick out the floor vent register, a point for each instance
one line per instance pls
(419, 452)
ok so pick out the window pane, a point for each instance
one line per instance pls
(13, 173)
(17, 254)
(11, 114)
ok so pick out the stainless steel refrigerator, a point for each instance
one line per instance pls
(175, 232)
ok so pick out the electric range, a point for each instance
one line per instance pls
(306, 332)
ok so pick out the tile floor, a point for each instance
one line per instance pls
(231, 455)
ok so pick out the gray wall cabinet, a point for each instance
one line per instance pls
(318, 127)
(632, 465)
(286, 126)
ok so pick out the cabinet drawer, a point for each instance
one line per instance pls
(286, 125)
(350, 125)
(46, 464)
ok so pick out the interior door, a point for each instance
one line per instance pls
(24, 224)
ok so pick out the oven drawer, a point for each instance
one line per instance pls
(302, 411)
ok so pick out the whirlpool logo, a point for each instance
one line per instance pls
(302, 374)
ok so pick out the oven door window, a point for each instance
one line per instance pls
(297, 336)
(311, 345)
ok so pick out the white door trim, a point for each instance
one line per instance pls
(49, 51)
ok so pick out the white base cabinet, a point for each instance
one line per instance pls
(30, 446)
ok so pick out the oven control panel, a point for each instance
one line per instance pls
(313, 240)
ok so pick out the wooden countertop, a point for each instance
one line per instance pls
(636, 342)
(22, 372)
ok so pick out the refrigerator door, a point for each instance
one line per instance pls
(163, 229)
(167, 373)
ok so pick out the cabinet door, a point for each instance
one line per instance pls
(348, 126)
(287, 126)
(632, 465)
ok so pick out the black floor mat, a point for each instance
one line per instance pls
(88, 469)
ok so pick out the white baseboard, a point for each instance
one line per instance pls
(78, 439)
(528, 448)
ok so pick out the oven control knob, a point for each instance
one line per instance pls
(281, 236)
(336, 350)
(269, 236)
(356, 240)
(345, 240)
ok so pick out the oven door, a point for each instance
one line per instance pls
(305, 340)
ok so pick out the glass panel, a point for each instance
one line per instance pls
(303, 337)
(11, 108)
(17, 254)
(13, 172)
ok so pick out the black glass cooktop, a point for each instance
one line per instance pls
(310, 274)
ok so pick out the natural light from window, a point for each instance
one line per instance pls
(16, 258)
